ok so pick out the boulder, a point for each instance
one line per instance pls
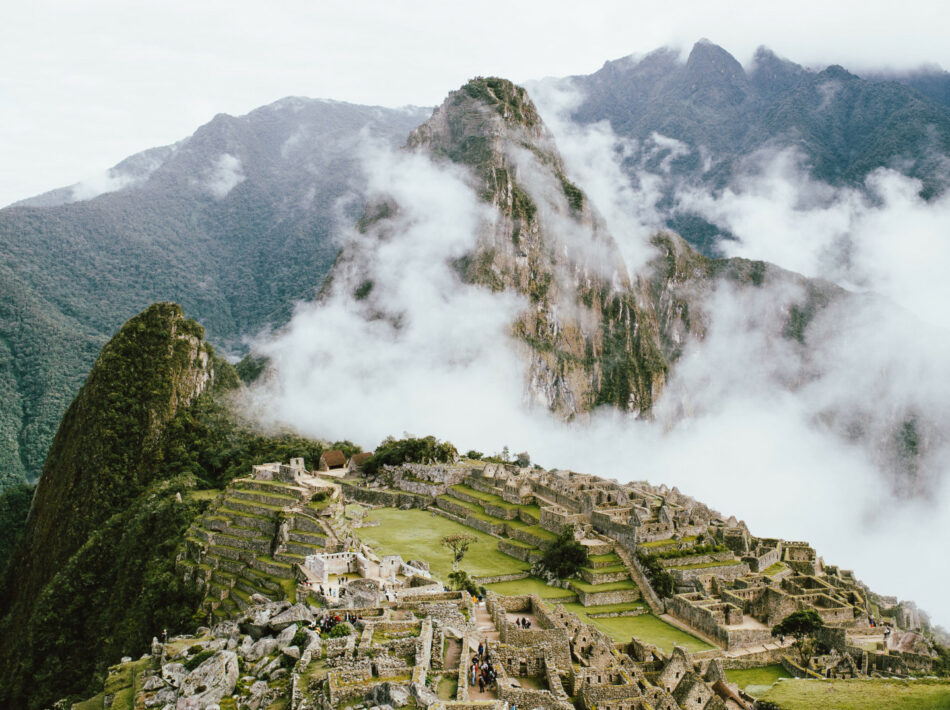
(157, 647)
(297, 614)
(291, 651)
(174, 674)
(257, 618)
(163, 697)
(259, 649)
(313, 641)
(286, 636)
(213, 679)
(423, 695)
(258, 695)
(388, 693)
(226, 630)
(216, 645)
(153, 682)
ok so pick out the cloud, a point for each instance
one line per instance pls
(224, 176)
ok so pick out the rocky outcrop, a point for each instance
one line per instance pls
(597, 330)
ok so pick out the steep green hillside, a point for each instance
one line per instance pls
(234, 223)
(93, 577)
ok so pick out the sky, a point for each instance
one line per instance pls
(84, 84)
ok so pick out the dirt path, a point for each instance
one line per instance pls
(452, 655)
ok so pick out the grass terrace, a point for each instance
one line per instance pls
(645, 627)
(416, 533)
(876, 694)
(756, 681)
(611, 587)
(668, 542)
(772, 570)
(530, 585)
(705, 565)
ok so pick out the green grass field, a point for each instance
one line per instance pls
(531, 585)
(877, 694)
(756, 681)
(415, 534)
(646, 627)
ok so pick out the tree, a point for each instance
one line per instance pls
(565, 556)
(523, 459)
(458, 544)
(800, 625)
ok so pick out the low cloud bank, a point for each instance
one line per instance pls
(794, 437)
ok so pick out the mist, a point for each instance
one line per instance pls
(794, 437)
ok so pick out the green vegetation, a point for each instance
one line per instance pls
(416, 534)
(510, 100)
(14, 507)
(875, 694)
(394, 452)
(689, 552)
(340, 630)
(755, 681)
(529, 585)
(130, 442)
(706, 565)
(660, 579)
(565, 557)
(458, 543)
(608, 587)
(774, 569)
(71, 275)
(800, 625)
(645, 627)
(575, 198)
(197, 660)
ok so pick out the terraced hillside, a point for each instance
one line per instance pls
(252, 536)
(521, 534)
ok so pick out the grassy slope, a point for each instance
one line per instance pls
(877, 694)
(416, 534)
(756, 681)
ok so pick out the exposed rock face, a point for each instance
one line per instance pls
(594, 333)
(297, 614)
(213, 679)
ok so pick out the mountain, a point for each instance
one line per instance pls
(594, 333)
(93, 574)
(235, 222)
(722, 113)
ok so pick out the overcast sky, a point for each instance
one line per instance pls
(85, 83)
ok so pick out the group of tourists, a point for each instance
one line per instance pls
(523, 623)
(481, 671)
(328, 621)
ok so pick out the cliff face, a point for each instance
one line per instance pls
(586, 337)
(593, 333)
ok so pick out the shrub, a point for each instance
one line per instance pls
(340, 630)
(395, 452)
(566, 556)
(197, 660)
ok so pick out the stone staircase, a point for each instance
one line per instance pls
(251, 539)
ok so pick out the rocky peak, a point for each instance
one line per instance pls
(713, 76)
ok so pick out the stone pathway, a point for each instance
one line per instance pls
(486, 632)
